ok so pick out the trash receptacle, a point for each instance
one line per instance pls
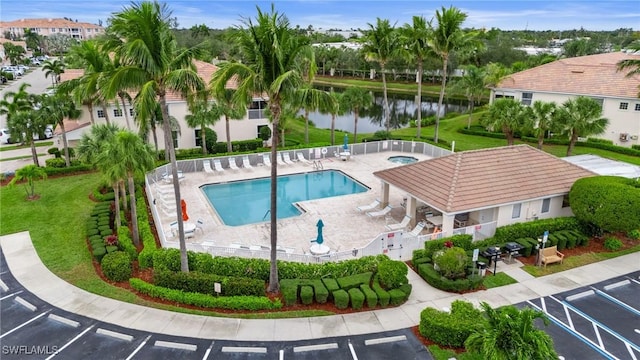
(482, 268)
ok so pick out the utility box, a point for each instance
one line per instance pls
(482, 268)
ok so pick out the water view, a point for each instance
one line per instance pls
(402, 109)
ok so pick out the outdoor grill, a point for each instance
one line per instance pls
(492, 252)
(514, 250)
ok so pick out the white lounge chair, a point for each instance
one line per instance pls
(302, 159)
(266, 159)
(280, 160)
(232, 164)
(287, 158)
(380, 213)
(417, 230)
(200, 225)
(372, 206)
(207, 167)
(217, 165)
(246, 163)
(401, 225)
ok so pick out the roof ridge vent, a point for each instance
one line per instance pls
(577, 71)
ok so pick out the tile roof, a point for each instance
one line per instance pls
(47, 23)
(477, 179)
(584, 75)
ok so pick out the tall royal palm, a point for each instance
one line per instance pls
(380, 46)
(152, 65)
(543, 115)
(271, 51)
(333, 107)
(581, 117)
(448, 37)
(415, 37)
(53, 68)
(230, 110)
(56, 109)
(356, 99)
(202, 114)
(472, 85)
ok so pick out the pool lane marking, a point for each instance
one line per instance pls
(618, 302)
(576, 334)
(70, 342)
(24, 324)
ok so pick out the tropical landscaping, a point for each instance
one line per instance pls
(118, 256)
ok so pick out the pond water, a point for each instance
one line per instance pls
(402, 109)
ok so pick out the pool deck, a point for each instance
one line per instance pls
(345, 227)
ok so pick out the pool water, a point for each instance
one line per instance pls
(248, 201)
(403, 159)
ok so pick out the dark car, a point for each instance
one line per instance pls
(3, 80)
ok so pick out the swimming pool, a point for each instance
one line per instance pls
(402, 159)
(247, 201)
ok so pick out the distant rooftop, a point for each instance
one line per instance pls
(602, 166)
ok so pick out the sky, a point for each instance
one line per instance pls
(354, 14)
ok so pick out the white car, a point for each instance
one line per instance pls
(4, 136)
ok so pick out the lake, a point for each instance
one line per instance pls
(402, 109)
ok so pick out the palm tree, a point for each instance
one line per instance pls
(472, 85)
(448, 37)
(53, 68)
(581, 117)
(272, 51)
(231, 110)
(29, 173)
(510, 334)
(203, 113)
(632, 64)
(334, 107)
(31, 38)
(543, 115)
(380, 46)
(151, 63)
(356, 99)
(56, 109)
(506, 114)
(310, 99)
(23, 120)
(415, 37)
(127, 155)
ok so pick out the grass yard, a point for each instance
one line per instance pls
(499, 279)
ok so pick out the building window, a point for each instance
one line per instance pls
(132, 112)
(526, 98)
(546, 204)
(60, 30)
(174, 135)
(117, 112)
(198, 133)
(101, 113)
(53, 29)
(624, 106)
(256, 109)
(565, 201)
(637, 107)
(515, 213)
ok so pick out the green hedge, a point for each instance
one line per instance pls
(252, 303)
(357, 298)
(392, 274)
(369, 295)
(195, 281)
(433, 278)
(397, 297)
(74, 169)
(341, 299)
(383, 295)
(451, 329)
(354, 281)
(116, 266)
(534, 229)
(126, 243)
(306, 294)
(331, 284)
(145, 257)
(289, 289)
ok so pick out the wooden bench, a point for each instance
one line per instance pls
(551, 255)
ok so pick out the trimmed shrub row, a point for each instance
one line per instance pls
(253, 303)
(451, 329)
(433, 278)
(195, 281)
(116, 266)
(145, 257)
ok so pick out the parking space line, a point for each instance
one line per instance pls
(24, 324)
(635, 281)
(10, 295)
(566, 313)
(176, 345)
(385, 340)
(618, 302)
(70, 342)
(575, 333)
(604, 327)
(206, 353)
(142, 344)
(281, 354)
(353, 351)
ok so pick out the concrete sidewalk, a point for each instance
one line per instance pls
(26, 267)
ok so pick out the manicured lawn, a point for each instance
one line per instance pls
(16, 147)
(500, 279)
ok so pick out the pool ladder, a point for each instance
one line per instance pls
(317, 164)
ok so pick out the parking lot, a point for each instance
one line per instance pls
(598, 321)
